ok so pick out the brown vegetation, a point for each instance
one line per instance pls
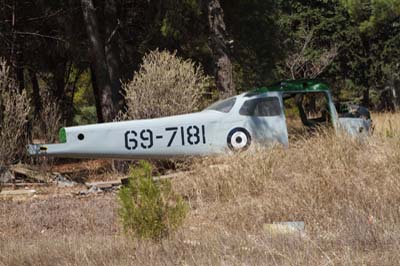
(48, 122)
(14, 110)
(346, 191)
(165, 85)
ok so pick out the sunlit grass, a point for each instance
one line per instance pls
(345, 191)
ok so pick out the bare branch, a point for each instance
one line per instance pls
(40, 35)
(113, 32)
(56, 13)
(325, 60)
(300, 64)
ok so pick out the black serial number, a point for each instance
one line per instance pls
(144, 139)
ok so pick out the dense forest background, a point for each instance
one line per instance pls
(78, 53)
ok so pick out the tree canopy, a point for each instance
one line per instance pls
(78, 52)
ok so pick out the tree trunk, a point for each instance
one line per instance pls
(96, 94)
(36, 93)
(99, 60)
(70, 91)
(112, 51)
(20, 67)
(60, 75)
(365, 98)
(220, 46)
(16, 55)
(365, 75)
(59, 72)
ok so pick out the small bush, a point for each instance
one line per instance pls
(46, 127)
(165, 85)
(49, 121)
(149, 208)
(14, 110)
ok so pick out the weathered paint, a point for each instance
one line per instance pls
(202, 133)
(62, 135)
(109, 140)
(294, 86)
(355, 126)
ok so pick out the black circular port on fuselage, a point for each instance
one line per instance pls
(81, 136)
(239, 140)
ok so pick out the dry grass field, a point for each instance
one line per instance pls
(347, 192)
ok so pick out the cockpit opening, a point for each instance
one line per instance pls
(306, 112)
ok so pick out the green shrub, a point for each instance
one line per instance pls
(149, 208)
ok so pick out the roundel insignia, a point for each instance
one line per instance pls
(239, 139)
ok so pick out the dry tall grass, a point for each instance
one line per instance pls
(346, 191)
(14, 110)
(49, 121)
(387, 124)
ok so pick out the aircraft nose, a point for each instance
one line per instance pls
(36, 149)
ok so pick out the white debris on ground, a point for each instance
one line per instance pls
(6, 175)
(285, 228)
(19, 192)
(62, 181)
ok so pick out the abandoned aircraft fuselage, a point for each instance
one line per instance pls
(229, 125)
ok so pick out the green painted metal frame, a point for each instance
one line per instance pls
(302, 85)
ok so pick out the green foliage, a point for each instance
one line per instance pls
(373, 14)
(254, 28)
(178, 25)
(150, 209)
(84, 93)
(85, 115)
(265, 33)
(376, 56)
(178, 18)
(364, 34)
(314, 33)
(84, 102)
